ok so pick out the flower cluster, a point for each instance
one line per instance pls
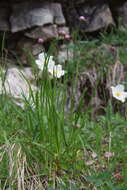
(119, 93)
(53, 70)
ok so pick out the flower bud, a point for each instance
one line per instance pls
(62, 33)
(67, 37)
(82, 18)
(40, 40)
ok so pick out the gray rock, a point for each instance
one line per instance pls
(63, 30)
(29, 45)
(65, 53)
(27, 49)
(101, 19)
(58, 14)
(47, 32)
(98, 16)
(26, 15)
(17, 82)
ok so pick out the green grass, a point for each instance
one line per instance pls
(45, 147)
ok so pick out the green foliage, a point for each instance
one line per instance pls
(49, 148)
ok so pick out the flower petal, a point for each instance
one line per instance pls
(59, 67)
(119, 87)
(118, 92)
(41, 56)
(51, 64)
(125, 94)
(58, 74)
(121, 97)
(40, 64)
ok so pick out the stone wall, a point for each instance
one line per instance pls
(98, 14)
(30, 24)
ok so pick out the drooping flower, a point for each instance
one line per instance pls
(40, 40)
(119, 93)
(56, 71)
(42, 60)
(82, 18)
(67, 37)
(51, 63)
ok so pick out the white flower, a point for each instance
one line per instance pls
(51, 63)
(56, 71)
(42, 60)
(82, 18)
(118, 92)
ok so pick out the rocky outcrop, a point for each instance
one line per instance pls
(25, 15)
(36, 22)
(17, 15)
(28, 25)
(96, 17)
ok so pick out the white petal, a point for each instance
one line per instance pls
(51, 64)
(40, 64)
(59, 67)
(60, 73)
(121, 97)
(118, 92)
(125, 94)
(122, 100)
(119, 87)
(112, 87)
(51, 68)
(41, 56)
(56, 70)
(51, 57)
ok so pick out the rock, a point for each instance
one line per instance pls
(27, 49)
(63, 30)
(42, 21)
(47, 32)
(97, 17)
(65, 53)
(17, 82)
(29, 45)
(58, 14)
(102, 19)
(26, 15)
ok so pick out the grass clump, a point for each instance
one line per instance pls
(46, 147)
